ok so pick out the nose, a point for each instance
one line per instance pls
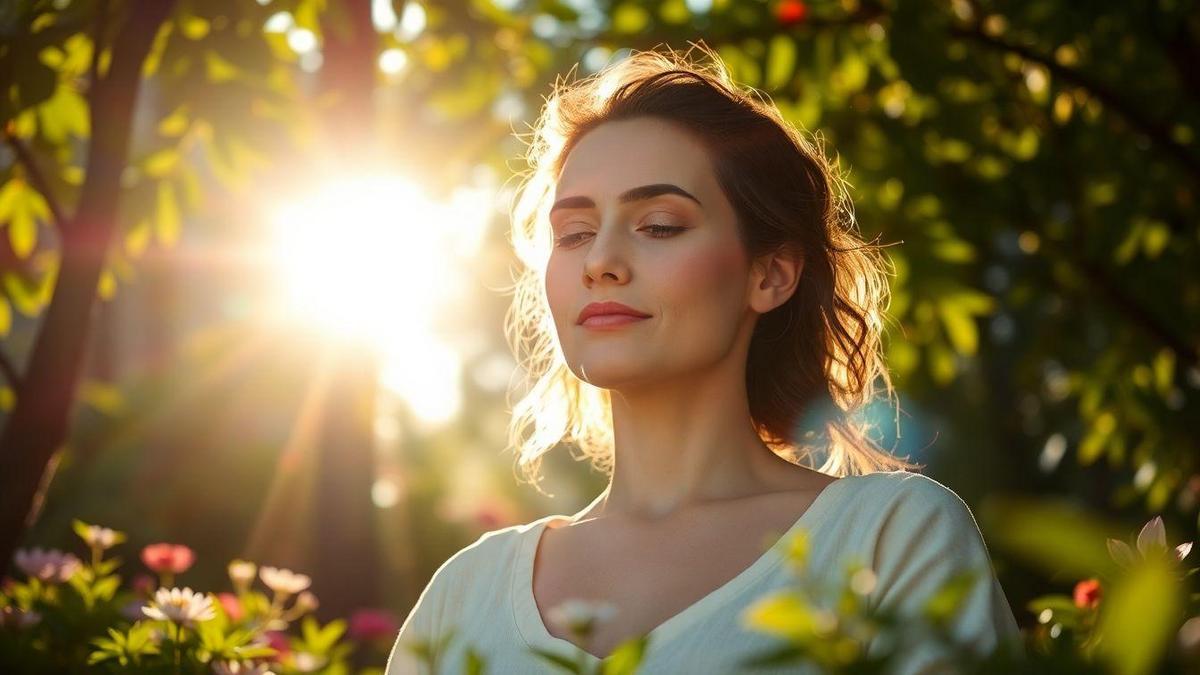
(606, 259)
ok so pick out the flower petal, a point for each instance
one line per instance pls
(1182, 550)
(1120, 552)
(1153, 534)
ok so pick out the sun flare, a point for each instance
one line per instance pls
(374, 262)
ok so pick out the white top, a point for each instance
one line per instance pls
(911, 530)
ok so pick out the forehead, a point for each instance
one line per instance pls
(617, 155)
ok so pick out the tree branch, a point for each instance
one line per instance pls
(1156, 131)
(98, 41)
(10, 372)
(36, 178)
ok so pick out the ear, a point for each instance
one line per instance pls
(773, 279)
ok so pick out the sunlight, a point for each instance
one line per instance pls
(373, 262)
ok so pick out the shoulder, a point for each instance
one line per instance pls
(921, 525)
(903, 497)
(482, 563)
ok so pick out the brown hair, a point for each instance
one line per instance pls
(812, 361)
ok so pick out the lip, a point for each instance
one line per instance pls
(609, 314)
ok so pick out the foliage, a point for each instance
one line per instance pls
(71, 616)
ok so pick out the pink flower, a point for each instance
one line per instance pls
(278, 640)
(373, 624)
(144, 584)
(132, 610)
(48, 565)
(231, 605)
(173, 558)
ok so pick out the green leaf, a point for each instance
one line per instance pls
(64, 115)
(1164, 370)
(1057, 536)
(557, 660)
(781, 61)
(167, 224)
(102, 396)
(24, 208)
(625, 659)
(1139, 617)
(674, 12)
(953, 250)
(219, 69)
(161, 163)
(960, 327)
(853, 73)
(193, 27)
(946, 602)
(784, 614)
(106, 588)
(1155, 238)
(629, 18)
(940, 362)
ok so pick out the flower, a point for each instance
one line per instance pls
(14, 616)
(277, 640)
(241, 573)
(180, 606)
(241, 668)
(789, 12)
(144, 584)
(306, 662)
(373, 624)
(168, 558)
(1087, 593)
(1151, 540)
(47, 565)
(231, 605)
(581, 616)
(132, 610)
(102, 538)
(284, 581)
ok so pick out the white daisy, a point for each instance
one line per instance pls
(180, 606)
(102, 538)
(284, 581)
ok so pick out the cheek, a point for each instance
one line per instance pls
(706, 281)
(558, 291)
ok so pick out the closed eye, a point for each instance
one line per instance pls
(663, 231)
(655, 231)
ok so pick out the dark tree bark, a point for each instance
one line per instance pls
(39, 423)
(346, 574)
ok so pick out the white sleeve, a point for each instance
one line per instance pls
(425, 625)
(927, 537)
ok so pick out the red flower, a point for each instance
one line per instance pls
(1087, 593)
(371, 624)
(277, 640)
(791, 11)
(173, 558)
(233, 608)
(144, 584)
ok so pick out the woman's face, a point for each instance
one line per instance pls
(626, 230)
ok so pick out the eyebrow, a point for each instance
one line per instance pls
(639, 193)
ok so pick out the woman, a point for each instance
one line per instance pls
(700, 319)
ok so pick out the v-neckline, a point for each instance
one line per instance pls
(533, 630)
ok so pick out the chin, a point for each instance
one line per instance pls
(610, 373)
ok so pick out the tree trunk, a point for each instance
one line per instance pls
(40, 421)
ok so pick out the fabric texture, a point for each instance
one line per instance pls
(912, 531)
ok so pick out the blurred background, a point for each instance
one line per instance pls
(295, 351)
